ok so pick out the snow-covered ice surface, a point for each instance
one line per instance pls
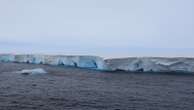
(152, 64)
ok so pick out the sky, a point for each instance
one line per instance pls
(108, 28)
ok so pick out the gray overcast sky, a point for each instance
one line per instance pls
(98, 27)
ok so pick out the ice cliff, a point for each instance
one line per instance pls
(132, 64)
(92, 62)
(152, 64)
(7, 58)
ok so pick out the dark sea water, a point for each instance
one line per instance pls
(67, 88)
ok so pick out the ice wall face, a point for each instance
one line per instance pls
(7, 58)
(92, 62)
(133, 64)
(152, 64)
(34, 59)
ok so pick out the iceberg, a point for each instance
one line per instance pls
(152, 64)
(91, 62)
(34, 59)
(31, 71)
(131, 64)
(7, 58)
